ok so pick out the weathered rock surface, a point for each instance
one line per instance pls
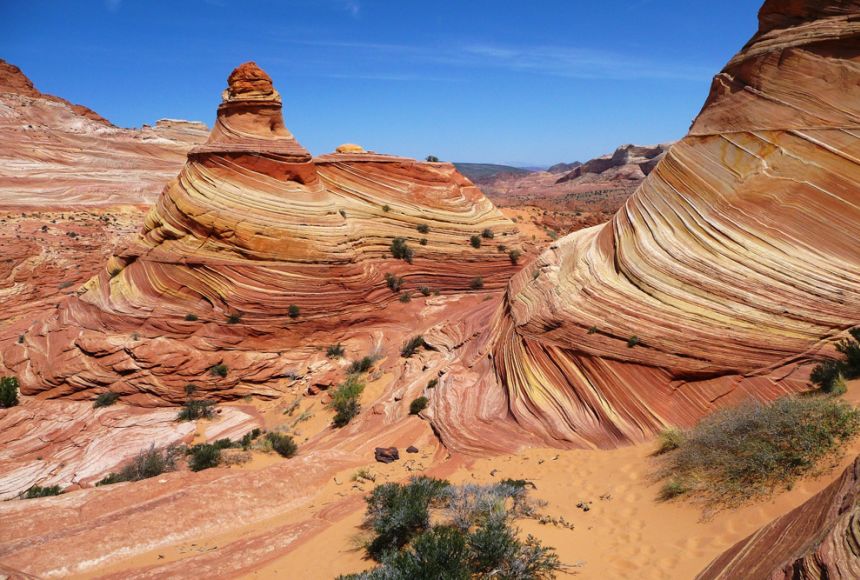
(819, 539)
(54, 153)
(735, 262)
(252, 228)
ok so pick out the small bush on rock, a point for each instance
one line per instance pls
(334, 351)
(146, 464)
(394, 283)
(344, 401)
(401, 251)
(411, 346)
(39, 491)
(418, 405)
(204, 456)
(362, 365)
(475, 241)
(106, 399)
(283, 444)
(195, 409)
(477, 283)
(219, 370)
(8, 392)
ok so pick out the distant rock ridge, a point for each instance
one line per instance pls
(13, 80)
(55, 153)
(252, 248)
(627, 162)
(714, 282)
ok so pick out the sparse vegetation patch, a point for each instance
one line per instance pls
(746, 452)
(474, 537)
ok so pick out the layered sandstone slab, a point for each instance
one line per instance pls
(736, 260)
(54, 153)
(819, 539)
(251, 229)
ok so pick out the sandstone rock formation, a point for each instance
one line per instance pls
(627, 162)
(254, 247)
(816, 540)
(54, 153)
(715, 281)
(69, 443)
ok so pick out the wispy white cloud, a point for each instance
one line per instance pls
(548, 60)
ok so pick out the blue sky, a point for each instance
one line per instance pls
(530, 83)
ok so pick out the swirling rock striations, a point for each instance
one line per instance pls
(57, 154)
(819, 539)
(735, 261)
(252, 228)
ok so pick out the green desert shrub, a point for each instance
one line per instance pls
(425, 290)
(149, 463)
(477, 283)
(249, 437)
(234, 318)
(432, 159)
(8, 392)
(401, 250)
(423, 241)
(475, 241)
(473, 537)
(293, 311)
(746, 452)
(219, 370)
(423, 228)
(396, 512)
(669, 440)
(190, 317)
(194, 409)
(412, 345)
(395, 283)
(830, 375)
(283, 444)
(488, 234)
(345, 401)
(386, 208)
(431, 384)
(406, 297)
(418, 405)
(106, 399)
(39, 491)
(514, 256)
(632, 341)
(204, 456)
(334, 351)
(361, 365)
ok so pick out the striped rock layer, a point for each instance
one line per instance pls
(819, 539)
(57, 154)
(735, 262)
(251, 227)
